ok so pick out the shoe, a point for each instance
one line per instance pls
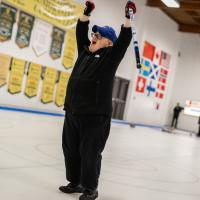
(89, 195)
(70, 188)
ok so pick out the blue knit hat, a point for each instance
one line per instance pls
(105, 31)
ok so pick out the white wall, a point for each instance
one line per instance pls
(187, 82)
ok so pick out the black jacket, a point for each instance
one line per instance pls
(90, 85)
(177, 111)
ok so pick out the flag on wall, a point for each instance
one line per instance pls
(58, 36)
(159, 95)
(141, 84)
(33, 79)
(151, 88)
(61, 88)
(16, 75)
(4, 68)
(149, 50)
(146, 65)
(164, 72)
(161, 87)
(50, 77)
(70, 49)
(154, 71)
(163, 75)
(165, 59)
(156, 58)
(162, 80)
(7, 20)
(25, 26)
(41, 37)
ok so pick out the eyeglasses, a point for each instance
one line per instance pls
(96, 35)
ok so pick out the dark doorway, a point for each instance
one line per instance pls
(119, 96)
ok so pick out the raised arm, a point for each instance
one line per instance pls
(83, 26)
(120, 46)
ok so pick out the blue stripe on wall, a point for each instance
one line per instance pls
(116, 121)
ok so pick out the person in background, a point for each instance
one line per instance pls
(198, 135)
(88, 102)
(177, 111)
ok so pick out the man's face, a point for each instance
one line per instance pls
(99, 42)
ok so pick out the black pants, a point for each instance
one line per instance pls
(174, 120)
(84, 139)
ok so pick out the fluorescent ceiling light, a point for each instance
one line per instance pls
(171, 3)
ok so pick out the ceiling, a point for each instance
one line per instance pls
(187, 16)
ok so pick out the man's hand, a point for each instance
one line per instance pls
(89, 7)
(130, 6)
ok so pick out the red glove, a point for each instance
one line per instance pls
(130, 5)
(89, 8)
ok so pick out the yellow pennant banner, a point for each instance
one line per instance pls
(33, 79)
(61, 13)
(16, 75)
(61, 89)
(48, 87)
(70, 49)
(4, 68)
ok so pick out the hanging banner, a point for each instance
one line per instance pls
(16, 75)
(4, 68)
(58, 36)
(70, 49)
(7, 19)
(61, 88)
(60, 13)
(33, 79)
(25, 26)
(49, 81)
(41, 37)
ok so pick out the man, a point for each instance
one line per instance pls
(198, 135)
(88, 103)
(177, 111)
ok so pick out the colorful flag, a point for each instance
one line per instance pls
(7, 20)
(154, 71)
(146, 66)
(149, 50)
(58, 36)
(150, 88)
(165, 59)
(163, 75)
(162, 80)
(25, 26)
(156, 58)
(164, 71)
(159, 95)
(161, 87)
(141, 84)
